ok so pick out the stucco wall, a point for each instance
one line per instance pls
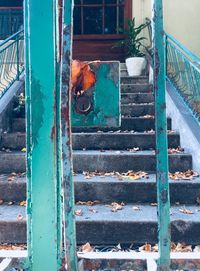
(181, 18)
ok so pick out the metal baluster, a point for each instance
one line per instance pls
(67, 172)
(161, 140)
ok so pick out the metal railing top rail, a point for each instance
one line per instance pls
(183, 71)
(12, 37)
(11, 60)
(183, 49)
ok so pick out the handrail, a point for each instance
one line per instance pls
(11, 60)
(11, 37)
(183, 71)
(183, 48)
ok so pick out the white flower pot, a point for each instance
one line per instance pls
(135, 65)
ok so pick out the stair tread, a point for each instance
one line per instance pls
(146, 214)
(109, 133)
(105, 179)
(104, 153)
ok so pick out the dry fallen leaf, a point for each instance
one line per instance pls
(187, 175)
(116, 206)
(186, 211)
(78, 212)
(88, 203)
(86, 248)
(154, 204)
(135, 175)
(180, 247)
(22, 203)
(12, 247)
(175, 150)
(145, 248)
(23, 150)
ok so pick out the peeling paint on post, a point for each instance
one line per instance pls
(161, 139)
(67, 172)
(43, 178)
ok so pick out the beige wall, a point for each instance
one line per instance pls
(181, 17)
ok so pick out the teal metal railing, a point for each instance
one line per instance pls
(11, 20)
(11, 60)
(183, 71)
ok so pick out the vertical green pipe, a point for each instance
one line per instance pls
(44, 219)
(67, 172)
(28, 130)
(161, 139)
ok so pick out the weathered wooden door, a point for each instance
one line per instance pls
(96, 28)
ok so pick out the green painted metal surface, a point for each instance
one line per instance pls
(161, 139)
(100, 105)
(183, 71)
(44, 195)
(11, 60)
(66, 138)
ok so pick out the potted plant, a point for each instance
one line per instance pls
(132, 45)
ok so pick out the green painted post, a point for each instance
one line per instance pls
(67, 182)
(161, 139)
(42, 91)
(28, 132)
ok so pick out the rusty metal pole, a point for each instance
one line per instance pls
(67, 171)
(161, 139)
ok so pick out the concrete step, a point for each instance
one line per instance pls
(138, 124)
(106, 161)
(98, 141)
(108, 189)
(13, 141)
(137, 110)
(137, 98)
(123, 161)
(18, 125)
(104, 227)
(123, 72)
(134, 79)
(135, 88)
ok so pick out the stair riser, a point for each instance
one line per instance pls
(137, 110)
(106, 233)
(119, 141)
(13, 141)
(134, 80)
(137, 98)
(104, 163)
(113, 191)
(123, 163)
(123, 73)
(18, 125)
(100, 141)
(135, 88)
(136, 124)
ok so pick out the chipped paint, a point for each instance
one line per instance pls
(161, 140)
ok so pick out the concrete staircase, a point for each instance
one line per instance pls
(109, 151)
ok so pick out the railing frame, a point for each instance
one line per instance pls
(183, 72)
(48, 124)
(11, 74)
